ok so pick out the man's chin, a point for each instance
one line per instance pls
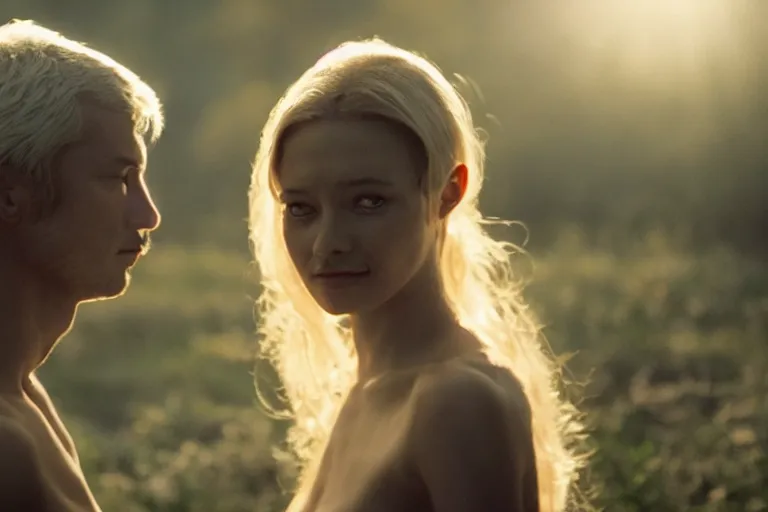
(108, 290)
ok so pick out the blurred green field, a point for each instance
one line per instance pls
(615, 115)
(158, 390)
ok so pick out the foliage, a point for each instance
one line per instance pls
(588, 117)
(158, 384)
(590, 121)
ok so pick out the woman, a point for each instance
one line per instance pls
(411, 368)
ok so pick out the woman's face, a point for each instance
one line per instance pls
(355, 220)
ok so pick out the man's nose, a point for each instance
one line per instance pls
(142, 212)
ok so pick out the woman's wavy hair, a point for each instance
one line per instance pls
(312, 351)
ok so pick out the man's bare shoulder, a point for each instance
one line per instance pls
(17, 448)
(20, 479)
(43, 401)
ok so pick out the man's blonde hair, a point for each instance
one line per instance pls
(44, 79)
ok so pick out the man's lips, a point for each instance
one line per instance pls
(134, 250)
(131, 254)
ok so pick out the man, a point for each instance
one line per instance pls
(75, 215)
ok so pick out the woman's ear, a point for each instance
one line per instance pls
(454, 190)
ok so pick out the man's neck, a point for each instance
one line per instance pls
(33, 317)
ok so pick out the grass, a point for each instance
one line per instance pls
(158, 391)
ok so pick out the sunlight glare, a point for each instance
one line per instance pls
(649, 36)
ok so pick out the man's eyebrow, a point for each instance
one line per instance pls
(126, 161)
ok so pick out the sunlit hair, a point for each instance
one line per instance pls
(44, 79)
(312, 351)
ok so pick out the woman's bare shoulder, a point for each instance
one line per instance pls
(471, 438)
(464, 380)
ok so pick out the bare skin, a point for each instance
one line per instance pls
(431, 426)
(80, 251)
(434, 438)
(53, 475)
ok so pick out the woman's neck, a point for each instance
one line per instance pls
(415, 326)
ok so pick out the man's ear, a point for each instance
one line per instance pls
(15, 195)
(454, 190)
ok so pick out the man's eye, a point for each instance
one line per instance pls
(122, 179)
(125, 176)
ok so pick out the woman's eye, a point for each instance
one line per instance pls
(370, 202)
(298, 209)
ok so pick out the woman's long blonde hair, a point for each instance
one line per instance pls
(312, 351)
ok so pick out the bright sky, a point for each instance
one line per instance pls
(686, 38)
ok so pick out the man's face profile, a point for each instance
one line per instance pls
(98, 225)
